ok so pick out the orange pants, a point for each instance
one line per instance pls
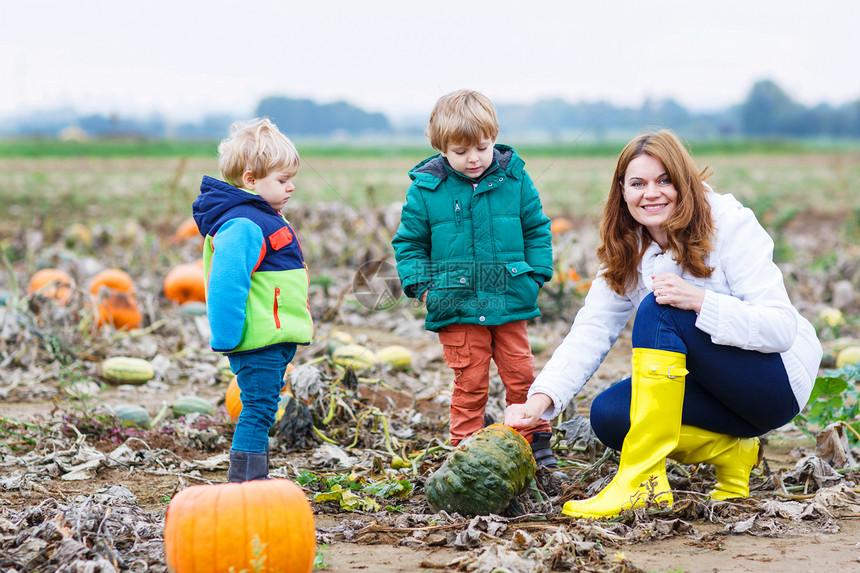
(467, 349)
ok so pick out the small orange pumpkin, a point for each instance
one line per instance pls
(115, 301)
(583, 287)
(52, 283)
(185, 283)
(186, 231)
(261, 525)
(561, 225)
(119, 309)
(233, 397)
(570, 275)
(114, 279)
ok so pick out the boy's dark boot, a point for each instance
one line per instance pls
(247, 466)
(542, 450)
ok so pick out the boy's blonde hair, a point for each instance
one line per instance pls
(256, 146)
(463, 117)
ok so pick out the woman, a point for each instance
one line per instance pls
(720, 355)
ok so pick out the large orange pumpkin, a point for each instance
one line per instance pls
(185, 283)
(115, 301)
(261, 525)
(52, 283)
(233, 397)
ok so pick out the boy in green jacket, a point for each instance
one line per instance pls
(475, 247)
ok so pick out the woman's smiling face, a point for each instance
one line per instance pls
(650, 195)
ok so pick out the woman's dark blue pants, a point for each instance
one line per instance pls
(729, 390)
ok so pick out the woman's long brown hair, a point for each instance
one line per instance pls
(689, 229)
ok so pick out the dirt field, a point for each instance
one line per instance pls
(79, 491)
(361, 540)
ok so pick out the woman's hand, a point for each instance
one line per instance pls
(529, 414)
(671, 289)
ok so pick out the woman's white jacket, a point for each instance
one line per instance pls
(746, 305)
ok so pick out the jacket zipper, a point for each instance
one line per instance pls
(458, 215)
(277, 303)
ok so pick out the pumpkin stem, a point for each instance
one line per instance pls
(332, 405)
(389, 447)
(415, 458)
(158, 417)
(322, 436)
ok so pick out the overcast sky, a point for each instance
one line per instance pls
(185, 59)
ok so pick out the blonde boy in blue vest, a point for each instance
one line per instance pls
(256, 279)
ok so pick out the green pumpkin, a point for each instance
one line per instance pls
(185, 405)
(126, 370)
(355, 355)
(483, 474)
(132, 415)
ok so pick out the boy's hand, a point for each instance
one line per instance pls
(423, 297)
(529, 414)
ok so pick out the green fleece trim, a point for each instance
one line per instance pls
(277, 310)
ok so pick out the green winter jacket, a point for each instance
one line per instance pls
(481, 248)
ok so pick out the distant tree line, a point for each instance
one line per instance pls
(306, 117)
(767, 112)
(598, 120)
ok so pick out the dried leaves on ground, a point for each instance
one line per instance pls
(85, 490)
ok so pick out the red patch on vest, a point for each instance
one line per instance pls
(281, 238)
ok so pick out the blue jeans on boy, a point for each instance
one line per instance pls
(729, 390)
(260, 375)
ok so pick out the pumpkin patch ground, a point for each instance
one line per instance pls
(85, 483)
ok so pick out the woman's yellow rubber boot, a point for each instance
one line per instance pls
(733, 459)
(657, 397)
